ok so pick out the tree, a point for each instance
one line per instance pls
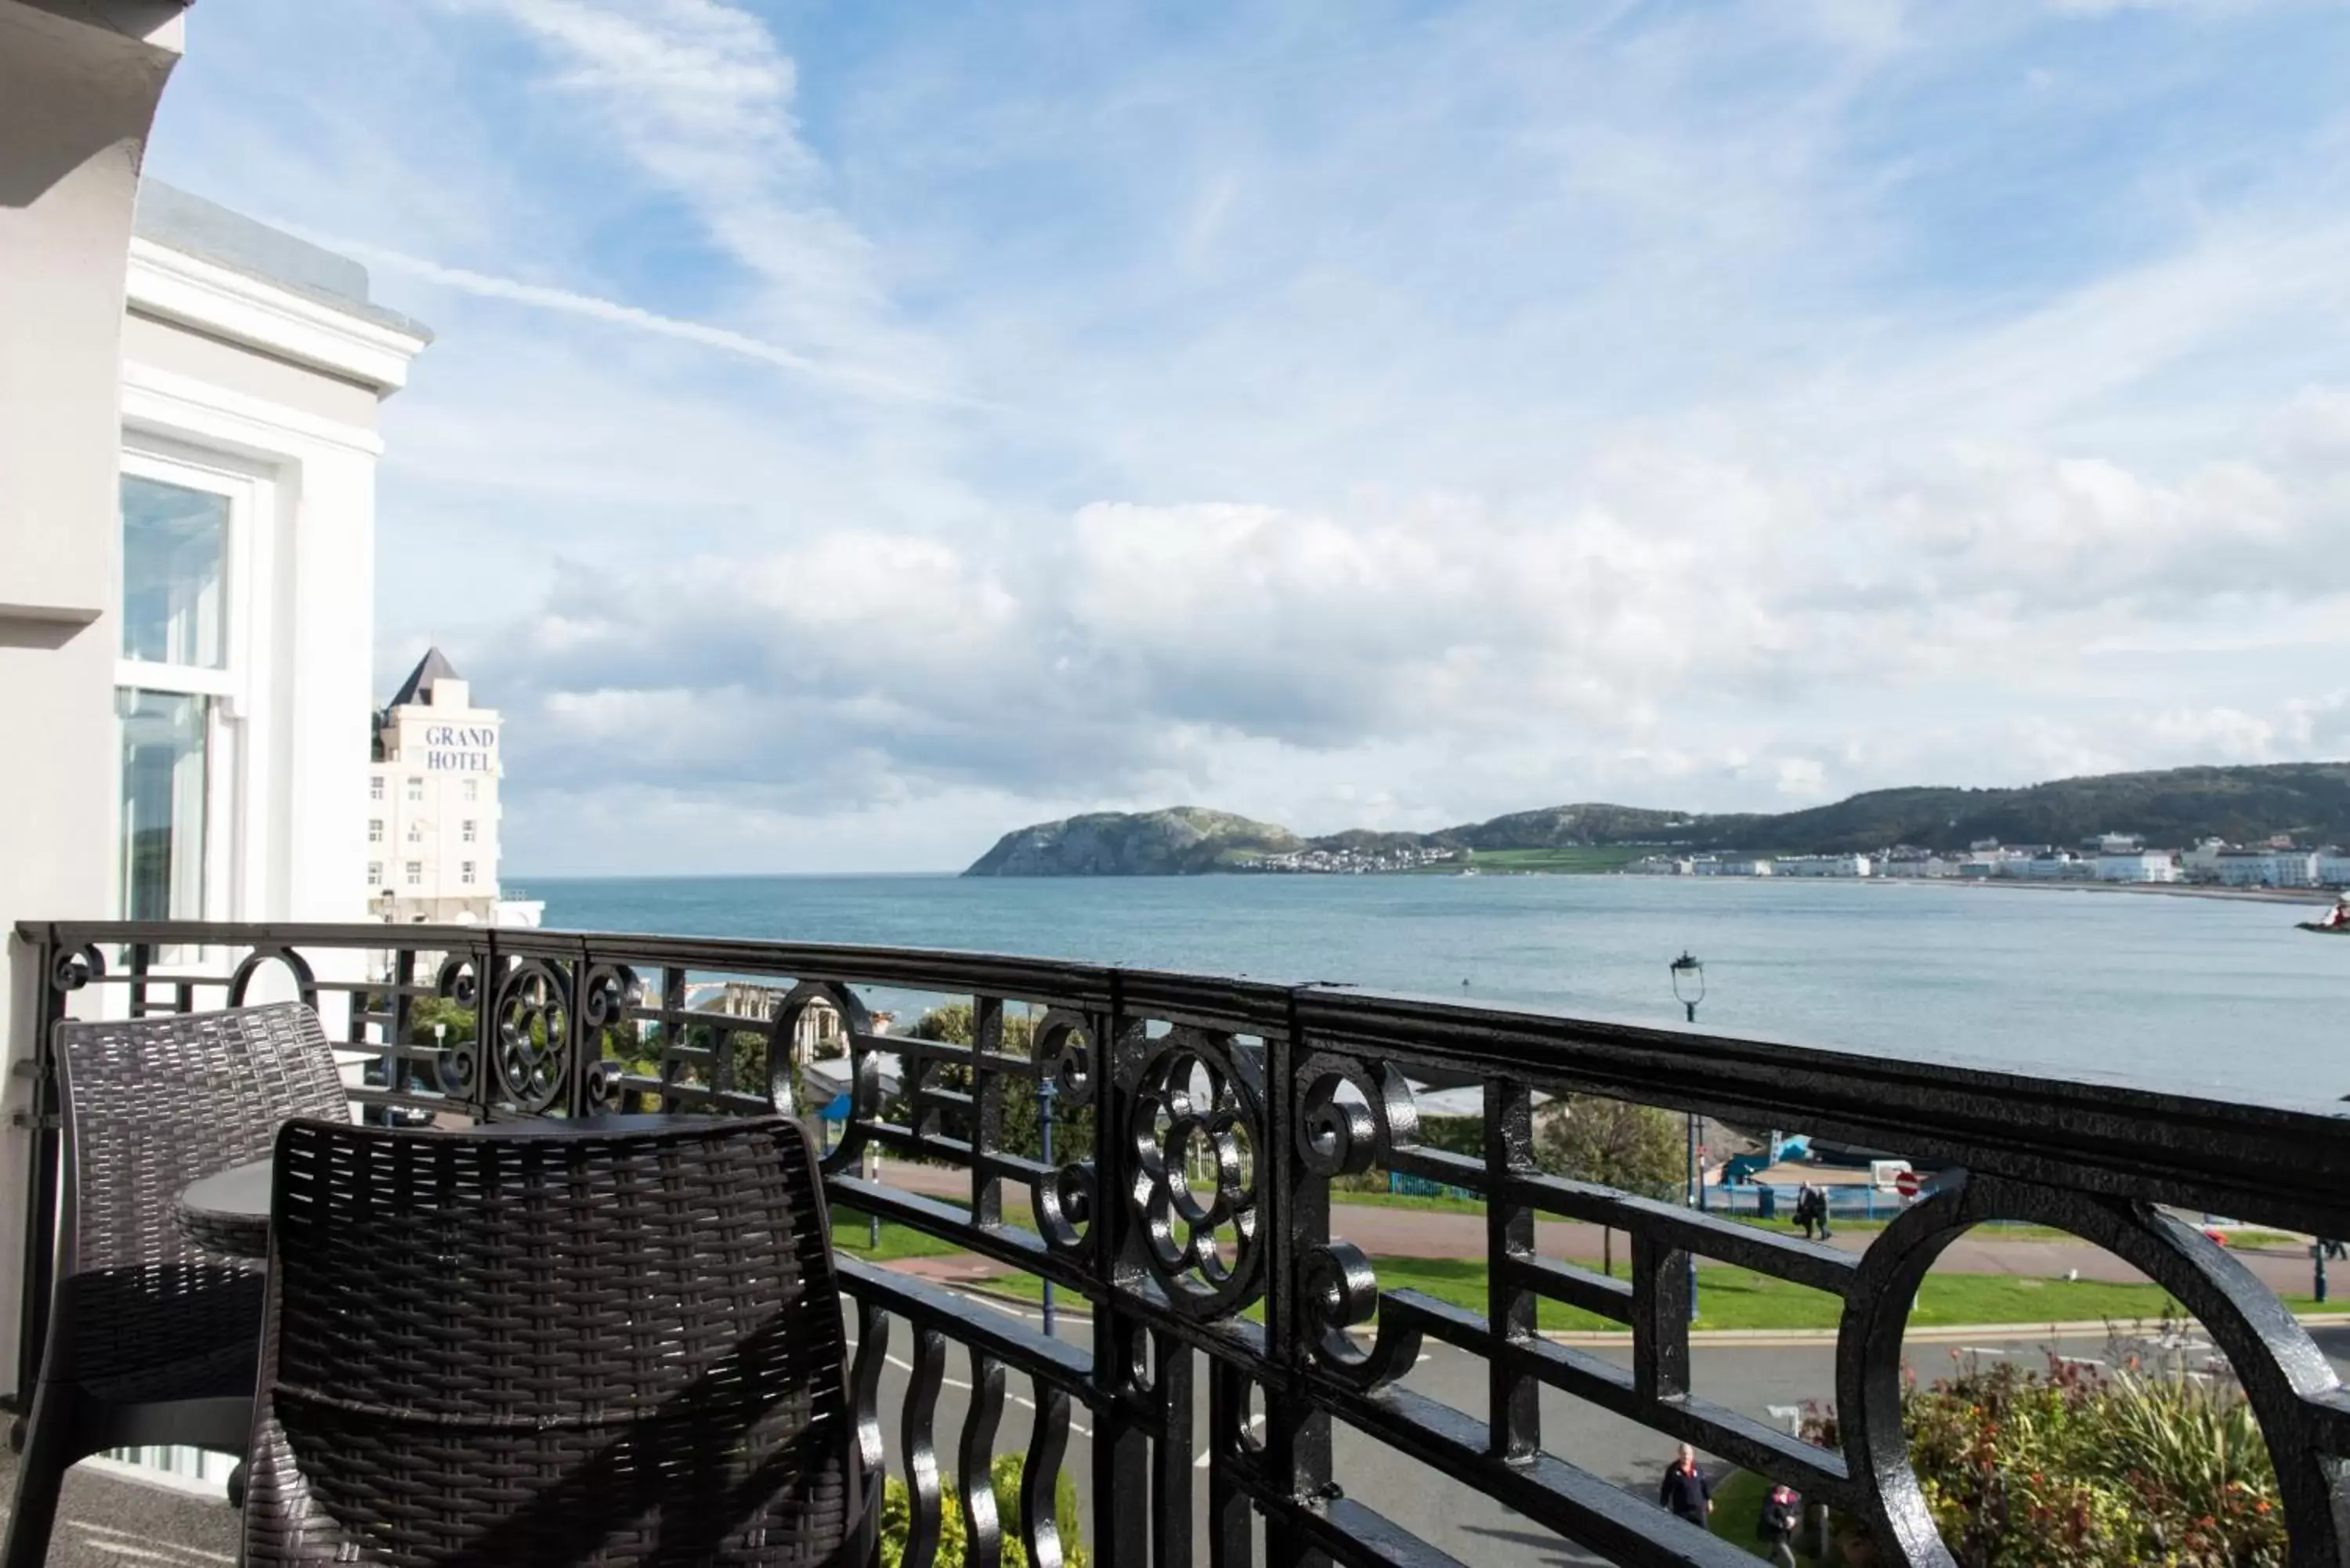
(1613, 1143)
(1021, 1132)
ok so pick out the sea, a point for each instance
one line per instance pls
(2207, 995)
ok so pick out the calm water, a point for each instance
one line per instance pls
(2194, 993)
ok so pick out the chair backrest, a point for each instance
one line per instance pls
(153, 1104)
(584, 1348)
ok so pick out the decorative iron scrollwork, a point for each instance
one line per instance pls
(1351, 1116)
(1063, 1054)
(459, 1066)
(1195, 1135)
(306, 984)
(1338, 1292)
(1340, 1134)
(76, 967)
(533, 1021)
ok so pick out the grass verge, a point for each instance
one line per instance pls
(1739, 1299)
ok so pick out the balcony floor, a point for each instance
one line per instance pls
(105, 1521)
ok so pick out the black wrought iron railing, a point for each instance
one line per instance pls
(1196, 1229)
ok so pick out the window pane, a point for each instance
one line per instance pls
(163, 764)
(174, 542)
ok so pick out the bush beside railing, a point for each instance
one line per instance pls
(2071, 1467)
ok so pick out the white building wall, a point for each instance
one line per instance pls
(78, 88)
(259, 398)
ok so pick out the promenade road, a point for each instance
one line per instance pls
(1428, 1233)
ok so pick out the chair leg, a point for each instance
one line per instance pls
(40, 1474)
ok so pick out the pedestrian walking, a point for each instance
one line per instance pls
(1807, 1199)
(1782, 1516)
(1820, 1207)
(1685, 1489)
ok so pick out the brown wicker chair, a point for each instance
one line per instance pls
(584, 1348)
(151, 1341)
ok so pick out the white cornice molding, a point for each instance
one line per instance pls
(166, 403)
(228, 304)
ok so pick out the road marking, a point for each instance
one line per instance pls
(1079, 1427)
(1982, 1350)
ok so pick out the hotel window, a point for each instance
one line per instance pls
(375, 830)
(375, 786)
(375, 873)
(179, 666)
(469, 830)
(415, 833)
(466, 875)
(472, 789)
(416, 792)
(416, 873)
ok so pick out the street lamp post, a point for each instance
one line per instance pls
(1046, 1088)
(1689, 989)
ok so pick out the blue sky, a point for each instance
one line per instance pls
(856, 430)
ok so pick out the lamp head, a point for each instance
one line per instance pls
(1689, 979)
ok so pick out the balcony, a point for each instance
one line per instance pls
(1230, 1382)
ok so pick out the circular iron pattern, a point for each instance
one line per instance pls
(2291, 1388)
(1194, 1138)
(533, 1020)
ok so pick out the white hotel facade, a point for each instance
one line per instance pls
(188, 448)
(433, 803)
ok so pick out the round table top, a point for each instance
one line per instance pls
(228, 1212)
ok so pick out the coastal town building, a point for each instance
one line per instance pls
(432, 802)
(2135, 866)
(2334, 866)
(2265, 867)
(1820, 866)
(1730, 866)
(188, 447)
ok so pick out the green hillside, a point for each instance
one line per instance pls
(2310, 801)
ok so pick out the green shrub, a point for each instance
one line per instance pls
(2072, 1467)
(897, 1516)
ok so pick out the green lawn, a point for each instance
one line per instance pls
(852, 1233)
(1734, 1298)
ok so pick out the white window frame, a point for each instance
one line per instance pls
(232, 745)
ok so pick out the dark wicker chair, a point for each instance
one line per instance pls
(581, 1348)
(150, 1340)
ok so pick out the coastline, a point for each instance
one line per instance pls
(2304, 896)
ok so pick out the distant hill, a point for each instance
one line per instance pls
(2310, 801)
(1180, 841)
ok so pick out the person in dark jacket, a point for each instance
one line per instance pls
(1685, 1489)
(1783, 1515)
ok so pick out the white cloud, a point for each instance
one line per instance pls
(844, 442)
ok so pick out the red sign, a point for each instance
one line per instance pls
(1907, 1183)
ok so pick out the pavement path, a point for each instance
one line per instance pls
(1433, 1233)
